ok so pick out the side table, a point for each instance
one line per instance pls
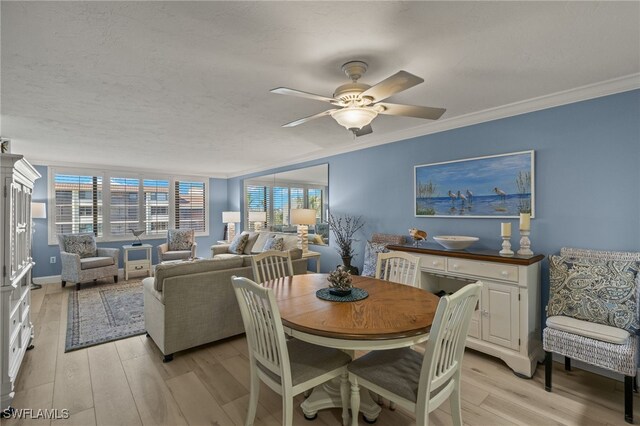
(141, 265)
(313, 255)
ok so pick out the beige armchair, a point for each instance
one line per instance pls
(83, 261)
(180, 245)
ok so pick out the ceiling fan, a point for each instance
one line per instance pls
(358, 103)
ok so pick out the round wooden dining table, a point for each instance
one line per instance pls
(392, 316)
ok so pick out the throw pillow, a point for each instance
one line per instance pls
(595, 290)
(238, 243)
(81, 244)
(371, 251)
(180, 239)
(253, 237)
(274, 243)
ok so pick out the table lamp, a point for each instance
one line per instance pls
(230, 218)
(302, 218)
(258, 219)
(38, 211)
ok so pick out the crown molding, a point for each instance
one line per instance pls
(578, 94)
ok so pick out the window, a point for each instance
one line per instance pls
(277, 201)
(78, 206)
(190, 205)
(109, 204)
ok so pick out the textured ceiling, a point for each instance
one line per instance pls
(184, 86)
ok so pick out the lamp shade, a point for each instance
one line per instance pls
(257, 216)
(38, 211)
(303, 216)
(230, 217)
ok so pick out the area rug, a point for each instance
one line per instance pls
(102, 313)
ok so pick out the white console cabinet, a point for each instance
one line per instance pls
(16, 330)
(506, 321)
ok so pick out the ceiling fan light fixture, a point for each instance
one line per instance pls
(354, 117)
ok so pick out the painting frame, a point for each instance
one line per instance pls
(442, 189)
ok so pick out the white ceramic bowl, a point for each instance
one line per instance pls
(455, 242)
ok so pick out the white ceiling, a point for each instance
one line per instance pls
(183, 87)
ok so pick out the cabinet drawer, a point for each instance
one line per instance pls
(14, 353)
(14, 322)
(494, 270)
(138, 265)
(432, 262)
(25, 334)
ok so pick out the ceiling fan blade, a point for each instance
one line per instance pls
(293, 92)
(398, 82)
(429, 113)
(364, 131)
(311, 117)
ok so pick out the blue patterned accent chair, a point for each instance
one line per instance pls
(181, 245)
(83, 261)
(593, 314)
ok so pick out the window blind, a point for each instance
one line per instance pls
(156, 206)
(124, 205)
(280, 206)
(190, 205)
(78, 205)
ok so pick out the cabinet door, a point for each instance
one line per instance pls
(500, 314)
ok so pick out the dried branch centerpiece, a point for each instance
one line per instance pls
(344, 229)
(340, 283)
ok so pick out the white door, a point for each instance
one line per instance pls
(500, 314)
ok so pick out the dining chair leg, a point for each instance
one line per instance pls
(355, 402)
(628, 399)
(344, 396)
(567, 363)
(456, 407)
(548, 367)
(254, 393)
(635, 383)
(287, 409)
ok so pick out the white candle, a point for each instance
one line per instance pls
(525, 221)
(505, 229)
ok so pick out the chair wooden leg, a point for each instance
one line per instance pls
(77, 286)
(115, 279)
(567, 363)
(548, 366)
(254, 393)
(64, 283)
(287, 410)
(628, 399)
(456, 406)
(635, 383)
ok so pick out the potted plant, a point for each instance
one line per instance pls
(344, 229)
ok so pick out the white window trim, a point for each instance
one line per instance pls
(106, 176)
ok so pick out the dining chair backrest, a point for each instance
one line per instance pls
(271, 265)
(399, 267)
(443, 354)
(263, 327)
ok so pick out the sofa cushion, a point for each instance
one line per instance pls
(262, 238)
(595, 290)
(148, 284)
(253, 237)
(180, 239)
(184, 268)
(83, 245)
(371, 251)
(289, 241)
(95, 262)
(238, 243)
(274, 243)
(588, 329)
(176, 255)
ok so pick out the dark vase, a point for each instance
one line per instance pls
(340, 293)
(346, 261)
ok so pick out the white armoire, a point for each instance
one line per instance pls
(18, 177)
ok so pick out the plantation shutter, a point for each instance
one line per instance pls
(314, 197)
(190, 206)
(156, 206)
(78, 204)
(124, 211)
(280, 205)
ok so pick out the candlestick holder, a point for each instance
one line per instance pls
(525, 244)
(506, 247)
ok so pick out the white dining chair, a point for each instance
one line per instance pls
(289, 367)
(271, 265)
(421, 383)
(399, 267)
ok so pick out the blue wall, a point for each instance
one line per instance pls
(587, 178)
(42, 251)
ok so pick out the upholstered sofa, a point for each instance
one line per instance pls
(255, 245)
(190, 303)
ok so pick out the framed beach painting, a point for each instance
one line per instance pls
(497, 186)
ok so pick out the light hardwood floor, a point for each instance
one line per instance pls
(126, 383)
